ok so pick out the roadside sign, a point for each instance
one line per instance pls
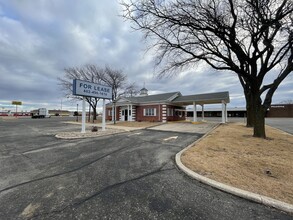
(16, 103)
(89, 89)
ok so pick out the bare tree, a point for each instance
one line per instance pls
(116, 80)
(251, 38)
(130, 90)
(90, 73)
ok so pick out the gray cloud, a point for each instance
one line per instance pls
(38, 39)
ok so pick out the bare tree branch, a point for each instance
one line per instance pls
(250, 38)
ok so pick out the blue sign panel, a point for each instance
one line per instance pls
(89, 89)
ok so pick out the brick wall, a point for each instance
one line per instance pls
(138, 114)
(175, 117)
(281, 110)
(141, 117)
(109, 117)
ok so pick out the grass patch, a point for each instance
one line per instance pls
(232, 156)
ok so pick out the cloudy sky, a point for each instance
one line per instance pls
(38, 39)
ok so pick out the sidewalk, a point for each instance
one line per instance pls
(186, 127)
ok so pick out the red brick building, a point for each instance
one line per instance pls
(162, 107)
(280, 110)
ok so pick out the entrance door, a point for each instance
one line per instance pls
(125, 115)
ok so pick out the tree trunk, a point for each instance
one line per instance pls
(94, 114)
(250, 114)
(249, 109)
(259, 116)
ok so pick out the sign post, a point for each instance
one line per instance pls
(89, 89)
(83, 116)
(104, 116)
(16, 103)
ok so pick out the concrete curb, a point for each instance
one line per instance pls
(229, 189)
(90, 136)
(152, 126)
(119, 130)
(112, 126)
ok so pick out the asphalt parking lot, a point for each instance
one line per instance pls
(125, 176)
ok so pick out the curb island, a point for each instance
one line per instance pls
(230, 189)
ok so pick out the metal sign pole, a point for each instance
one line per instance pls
(83, 116)
(104, 116)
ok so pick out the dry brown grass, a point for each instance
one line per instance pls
(232, 156)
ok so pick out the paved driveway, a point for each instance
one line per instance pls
(125, 176)
(285, 124)
(185, 127)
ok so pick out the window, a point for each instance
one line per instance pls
(149, 112)
(109, 112)
(169, 112)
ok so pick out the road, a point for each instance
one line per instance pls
(285, 124)
(125, 176)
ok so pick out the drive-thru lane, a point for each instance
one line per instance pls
(125, 176)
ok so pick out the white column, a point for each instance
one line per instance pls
(164, 113)
(83, 116)
(131, 111)
(194, 112)
(202, 112)
(226, 112)
(104, 116)
(223, 112)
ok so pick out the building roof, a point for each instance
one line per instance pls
(144, 91)
(232, 109)
(176, 98)
(207, 98)
(164, 97)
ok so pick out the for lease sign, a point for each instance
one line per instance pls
(84, 88)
